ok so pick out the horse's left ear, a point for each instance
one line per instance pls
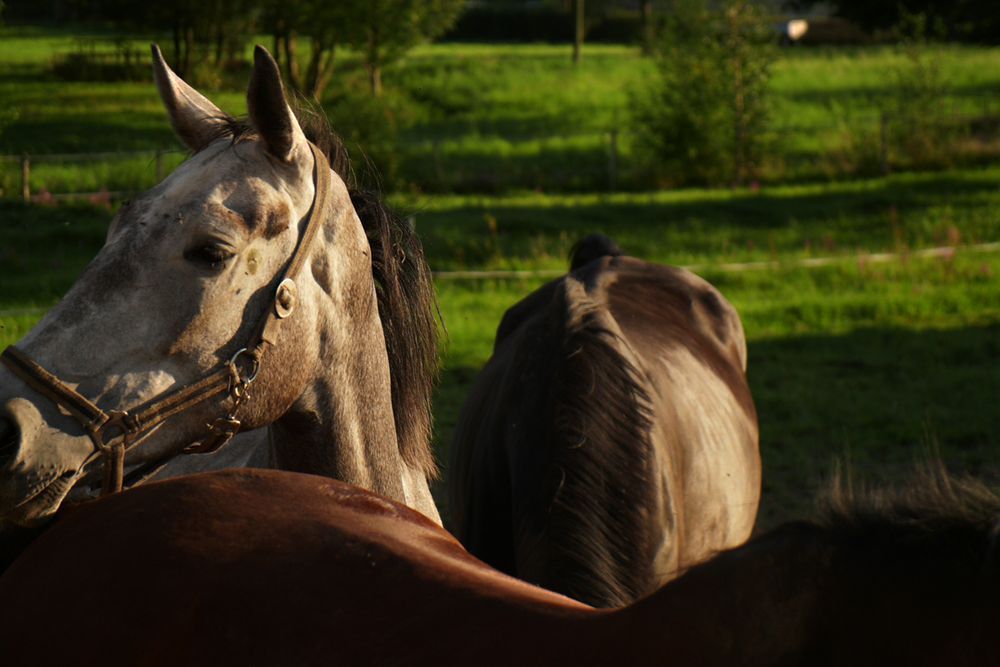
(269, 112)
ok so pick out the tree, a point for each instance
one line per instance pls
(203, 31)
(648, 26)
(920, 126)
(704, 118)
(584, 15)
(579, 29)
(323, 22)
(384, 30)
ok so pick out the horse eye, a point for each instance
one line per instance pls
(209, 256)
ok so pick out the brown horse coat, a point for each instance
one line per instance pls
(611, 440)
(274, 568)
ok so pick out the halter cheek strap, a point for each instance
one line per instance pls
(115, 432)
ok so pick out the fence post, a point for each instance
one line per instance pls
(25, 178)
(438, 168)
(613, 160)
(883, 152)
(159, 165)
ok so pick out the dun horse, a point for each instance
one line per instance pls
(249, 288)
(274, 568)
(611, 440)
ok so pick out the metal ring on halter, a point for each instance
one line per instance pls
(256, 367)
(116, 419)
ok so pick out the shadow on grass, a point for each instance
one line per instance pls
(43, 249)
(877, 400)
(877, 95)
(98, 133)
(870, 215)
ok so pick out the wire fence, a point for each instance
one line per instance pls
(585, 161)
(940, 252)
(26, 163)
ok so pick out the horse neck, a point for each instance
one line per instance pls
(756, 605)
(342, 425)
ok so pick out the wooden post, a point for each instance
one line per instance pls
(883, 153)
(159, 165)
(579, 28)
(648, 28)
(613, 160)
(26, 178)
(438, 168)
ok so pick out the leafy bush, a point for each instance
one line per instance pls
(371, 127)
(858, 151)
(90, 60)
(705, 117)
(922, 130)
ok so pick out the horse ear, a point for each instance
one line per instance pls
(196, 121)
(269, 112)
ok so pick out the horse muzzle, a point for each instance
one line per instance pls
(39, 463)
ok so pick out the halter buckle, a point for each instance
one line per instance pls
(113, 448)
(126, 424)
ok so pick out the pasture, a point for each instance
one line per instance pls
(488, 118)
(871, 363)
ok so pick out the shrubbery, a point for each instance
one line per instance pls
(922, 130)
(86, 62)
(704, 119)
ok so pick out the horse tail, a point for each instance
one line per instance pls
(591, 247)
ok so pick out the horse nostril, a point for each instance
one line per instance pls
(10, 437)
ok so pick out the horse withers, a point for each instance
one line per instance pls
(611, 440)
(250, 288)
(264, 567)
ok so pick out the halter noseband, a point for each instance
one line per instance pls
(116, 432)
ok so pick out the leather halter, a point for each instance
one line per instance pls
(115, 432)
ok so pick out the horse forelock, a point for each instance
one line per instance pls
(314, 125)
(404, 288)
(601, 467)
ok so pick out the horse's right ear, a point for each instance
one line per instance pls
(194, 118)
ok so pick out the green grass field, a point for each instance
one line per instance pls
(872, 363)
(488, 118)
(876, 363)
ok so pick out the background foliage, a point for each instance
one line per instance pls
(705, 119)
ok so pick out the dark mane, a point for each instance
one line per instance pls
(407, 308)
(596, 511)
(404, 286)
(314, 125)
(933, 513)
